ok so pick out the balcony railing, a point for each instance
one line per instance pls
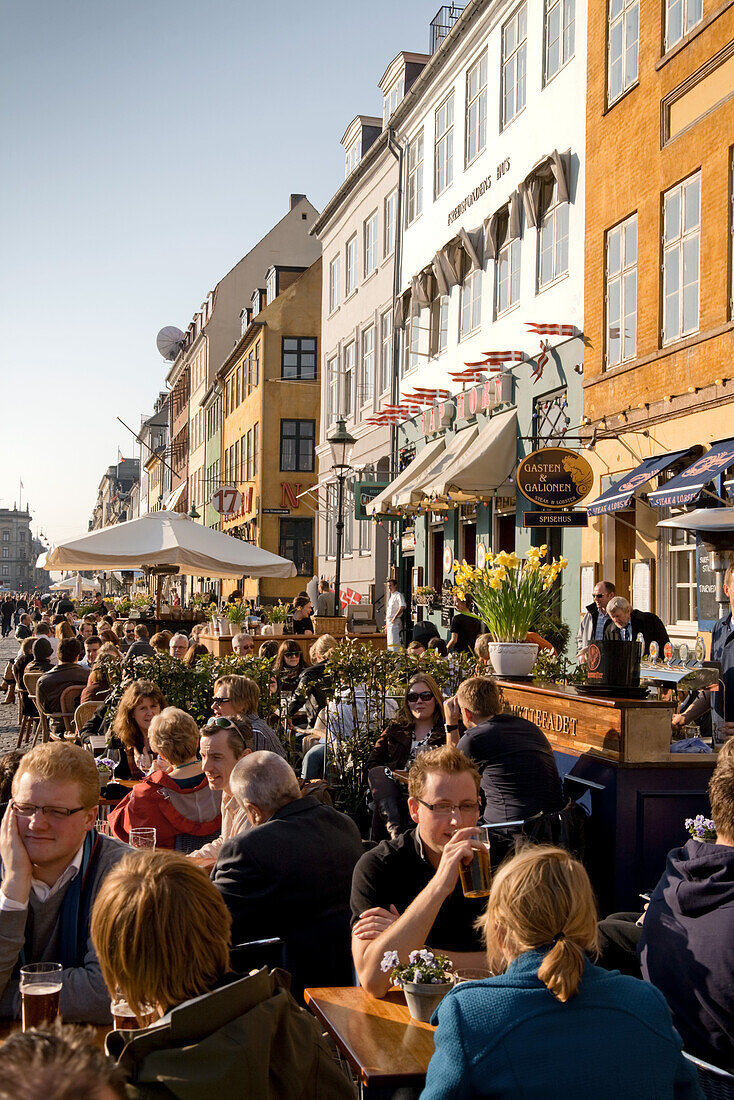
(442, 23)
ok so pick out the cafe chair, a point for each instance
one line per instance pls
(186, 843)
(565, 828)
(30, 682)
(82, 714)
(67, 717)
(716, 1083)
(256, 954)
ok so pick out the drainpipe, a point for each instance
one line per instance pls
(397, 152)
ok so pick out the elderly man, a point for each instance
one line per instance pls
(406, 892)
(291, 874)
(178, 646)
(594, 619)
(626, 622)
(223, 743)
(243, 645)
(53, 863)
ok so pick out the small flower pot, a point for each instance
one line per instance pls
(422, 999)
(513, 658)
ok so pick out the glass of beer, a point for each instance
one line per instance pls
(476, 877)
(471, 974)
(124, 1019)
(40, 990)
(142, 838)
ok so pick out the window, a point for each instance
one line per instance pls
(298, 358)
(624, 29)
(296, 544)
(370, 244)
(681, 233)
(622, 292)
(249, 374)
(681, 16)
(353, 157)
(297, 445)
(388, 243)
(414, 189)
(411, 344)
(391, 100)
(6, 552)
(238, 388)
(256, 366)
(507, 269)
(351, 265)
(552, 236)
(335, 275)
(476, 109)
(255, 449)
(386, 363)
(682, 572)
(514, 64)
(559, 35)
(368, 364)
(332, 381)
(350, 362)
(439, 323)
(248, 467)
(272, 285)
(6, 570)
(236, 462)
(443, 153)
(471, 304)
(332, 498)
(6, 535)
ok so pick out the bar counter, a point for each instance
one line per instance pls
(614, 757)
(221, 644)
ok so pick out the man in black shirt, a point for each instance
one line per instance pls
(406, 892)
(514, 757)
(465, 628)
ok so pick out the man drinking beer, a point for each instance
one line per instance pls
(53, 863)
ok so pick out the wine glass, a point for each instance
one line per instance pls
(142, 838)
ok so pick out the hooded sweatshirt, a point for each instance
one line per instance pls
(160, 803)
(687, 947)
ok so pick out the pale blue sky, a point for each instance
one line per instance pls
(147, 146)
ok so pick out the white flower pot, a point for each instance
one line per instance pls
(513, 658)
(423, 999)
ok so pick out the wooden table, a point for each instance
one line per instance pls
(377, 1037)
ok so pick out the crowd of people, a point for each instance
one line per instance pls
(249, 851)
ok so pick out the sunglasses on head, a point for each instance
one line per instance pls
(224, 724)
(414, 696)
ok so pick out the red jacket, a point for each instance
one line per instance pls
(159, 802)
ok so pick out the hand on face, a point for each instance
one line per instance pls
(17, 867)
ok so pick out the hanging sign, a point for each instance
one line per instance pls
(226, 500)
(481, 555)
(448, 559)
(364, 492)
(555, 477)
(556, 518)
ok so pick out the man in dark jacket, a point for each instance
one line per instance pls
(687, 945)
(291, 875)
(66, 673)
(721, 703)
(627, 622)
(23, 629)
(594, 619)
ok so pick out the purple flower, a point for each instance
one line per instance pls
(389, 961)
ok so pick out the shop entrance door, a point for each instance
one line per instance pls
(624, 550)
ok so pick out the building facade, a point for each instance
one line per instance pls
(659, 294)
(18, 552)
(490, 281)
(114, 492)
(270, 423)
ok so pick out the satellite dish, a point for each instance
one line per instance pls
(168, 341)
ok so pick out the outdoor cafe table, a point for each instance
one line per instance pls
(377, 1036)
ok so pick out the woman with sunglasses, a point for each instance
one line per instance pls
(418, 726)
(238, 697)
(289, 664)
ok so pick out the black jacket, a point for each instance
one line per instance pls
(687, 947)
(392, 748)
(291, 877)
(642, 622)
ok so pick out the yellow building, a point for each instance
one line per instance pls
(271, 400)
(658, 294)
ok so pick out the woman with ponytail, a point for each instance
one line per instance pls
(549, 1023)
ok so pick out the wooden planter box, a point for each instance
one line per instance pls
(331, 624)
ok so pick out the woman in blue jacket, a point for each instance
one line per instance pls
(551, 1025)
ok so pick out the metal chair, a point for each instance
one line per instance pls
(716, 1083)
(256, 954)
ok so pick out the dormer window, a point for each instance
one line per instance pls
(272, 284)
(392, 97)
(353, 157)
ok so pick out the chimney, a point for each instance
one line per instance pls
(294, 201)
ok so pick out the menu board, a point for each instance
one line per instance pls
(708, 608)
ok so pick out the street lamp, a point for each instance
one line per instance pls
(341, 443)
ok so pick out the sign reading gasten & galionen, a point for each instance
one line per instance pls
(555, 477)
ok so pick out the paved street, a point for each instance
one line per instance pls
(8, 715)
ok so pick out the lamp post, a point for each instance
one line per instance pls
(341, 443)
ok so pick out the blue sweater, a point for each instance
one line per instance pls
(508, 1037)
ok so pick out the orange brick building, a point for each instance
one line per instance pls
(659, 328)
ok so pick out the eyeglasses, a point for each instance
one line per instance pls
(225, 724)
(56, 813)
(220, 699)
(446, 809)
(414, 696)
(293, 656)
(599, 595)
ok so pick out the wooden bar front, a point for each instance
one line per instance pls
(221, 645)
(614, 756)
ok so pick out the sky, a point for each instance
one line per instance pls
(147, 146)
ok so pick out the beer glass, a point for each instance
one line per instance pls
(124, 1019)
(40, 990)
(476, 877)
(142, 838)
(471, 974)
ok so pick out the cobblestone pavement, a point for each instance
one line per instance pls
(8, 714)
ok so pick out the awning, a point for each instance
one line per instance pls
(383, 503)
(621, 493)
(432, 484)
(486, 464)
(688, 485)
(702, 519)
(170, 502)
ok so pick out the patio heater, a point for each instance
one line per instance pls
(342, 444)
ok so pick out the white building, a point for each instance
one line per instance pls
(492, 136)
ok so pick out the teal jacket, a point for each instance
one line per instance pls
(508, 1037)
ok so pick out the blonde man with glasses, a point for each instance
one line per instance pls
(406, 892)
(53, 864)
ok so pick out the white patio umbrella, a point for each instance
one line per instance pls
(77, 584)
(167, 542)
